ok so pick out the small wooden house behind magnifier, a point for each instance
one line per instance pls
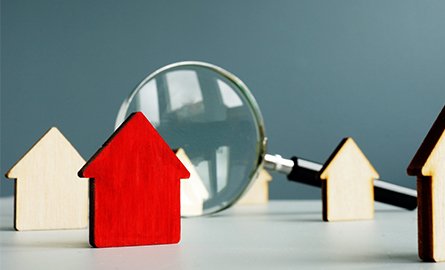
(193, 191)
(258, 193)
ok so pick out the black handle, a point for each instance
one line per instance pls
(395, 195)
(383, 192)
(303, 175)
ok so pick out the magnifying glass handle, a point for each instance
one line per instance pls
(307, 172)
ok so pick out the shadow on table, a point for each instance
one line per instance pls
(370, 260)
(405, 257)
(55, 244)
(386, 258)
(46, 244)
(285, 216)
(139, 257)
(236, 214)
(394, 210)
(45, 239)
(293, 220)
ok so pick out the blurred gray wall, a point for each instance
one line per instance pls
(320, 70)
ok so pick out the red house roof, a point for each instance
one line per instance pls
(136, 129)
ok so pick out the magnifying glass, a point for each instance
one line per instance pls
(212, 115)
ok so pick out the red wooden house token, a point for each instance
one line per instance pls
(134, 188)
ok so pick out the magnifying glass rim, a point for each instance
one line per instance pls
(231, 77)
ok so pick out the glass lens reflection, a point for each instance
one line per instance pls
(211, 117)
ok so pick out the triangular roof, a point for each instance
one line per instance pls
(136, 123)
(337, 152)
(51, 135)
(428, 144)
(264, 176)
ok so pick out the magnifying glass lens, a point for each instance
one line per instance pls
(211, 115)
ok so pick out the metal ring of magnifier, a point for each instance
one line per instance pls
(245, 92)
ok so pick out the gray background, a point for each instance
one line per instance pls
(320, 70)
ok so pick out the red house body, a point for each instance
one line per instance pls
(134, 188)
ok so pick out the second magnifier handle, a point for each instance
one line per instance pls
(307, 172)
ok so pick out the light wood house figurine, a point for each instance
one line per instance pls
(348, 184)
(429, 166)
(193, 191)
(48, 192)
(258, 193)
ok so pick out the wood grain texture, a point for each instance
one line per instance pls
(48, 193)
(258, 193)
(347, 188)
(428, 165)
(193, 191)
(134, 188)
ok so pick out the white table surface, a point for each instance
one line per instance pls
(279, 235)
